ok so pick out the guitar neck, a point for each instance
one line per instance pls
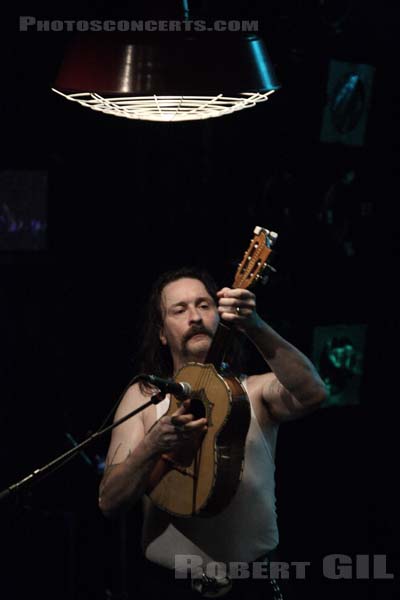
(250, 270)
(220, 344)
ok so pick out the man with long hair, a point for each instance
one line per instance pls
(184, 311)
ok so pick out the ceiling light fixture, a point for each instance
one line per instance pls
(167, 76)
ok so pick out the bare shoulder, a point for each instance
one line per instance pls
(132, 399)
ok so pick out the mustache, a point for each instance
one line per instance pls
(195, 330)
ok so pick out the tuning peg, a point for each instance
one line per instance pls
(263, 279)
(272, 237)
(270, 267)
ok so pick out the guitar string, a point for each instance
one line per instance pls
(203, 380)
(206, 376)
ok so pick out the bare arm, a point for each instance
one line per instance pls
(129, 459)
(294, 387)
(133, 454)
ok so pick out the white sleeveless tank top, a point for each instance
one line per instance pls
(244, 531)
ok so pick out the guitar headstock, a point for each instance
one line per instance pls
(255, 260)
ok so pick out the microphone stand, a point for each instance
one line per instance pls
(40, 473)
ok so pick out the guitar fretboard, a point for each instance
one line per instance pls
(220, 344)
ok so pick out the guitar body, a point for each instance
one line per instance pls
(203, 480)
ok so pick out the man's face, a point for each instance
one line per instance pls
(190, 319)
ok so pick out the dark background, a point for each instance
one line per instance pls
(122, 201)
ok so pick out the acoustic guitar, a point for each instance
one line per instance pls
(201, 479)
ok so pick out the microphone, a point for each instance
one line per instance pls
(180, 389)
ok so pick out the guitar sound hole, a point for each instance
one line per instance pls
(197, 408)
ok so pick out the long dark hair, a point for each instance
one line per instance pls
(155, 358)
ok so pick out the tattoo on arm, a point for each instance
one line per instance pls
(110, 465)
(110, 461)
